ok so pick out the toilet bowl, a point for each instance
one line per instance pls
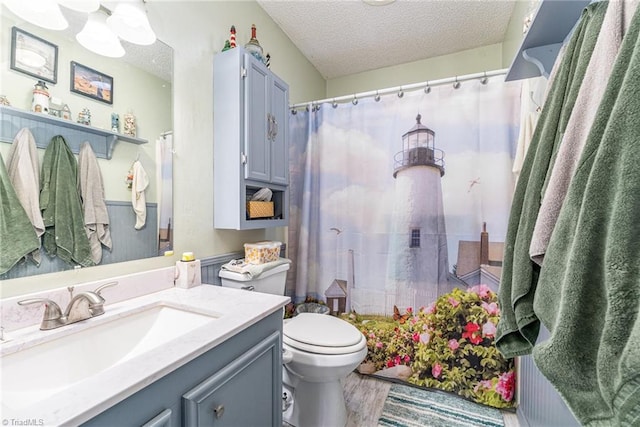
(318, 352)
(323, 350)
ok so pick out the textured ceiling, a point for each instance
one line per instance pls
(350, 36)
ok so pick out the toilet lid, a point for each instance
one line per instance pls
(322, 330)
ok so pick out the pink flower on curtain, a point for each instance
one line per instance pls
(506, 385)
(454, 302)
(453, 344)
(379, 344)
(483, 291)
(489, 329)
(415, 337)
(431, 308)
(436, 370)
(491, 309)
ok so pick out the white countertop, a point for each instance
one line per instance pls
(235, 311)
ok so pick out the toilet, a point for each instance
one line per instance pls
(318, 352)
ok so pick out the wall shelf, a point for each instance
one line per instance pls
(44, 127)
(553, 21)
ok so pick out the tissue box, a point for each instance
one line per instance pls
(261, 252)
(257, 209)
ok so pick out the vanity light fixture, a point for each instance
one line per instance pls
(98, 38)
(129, 21)
(43, 13)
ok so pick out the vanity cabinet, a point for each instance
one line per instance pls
(237, 383)
(251, 140)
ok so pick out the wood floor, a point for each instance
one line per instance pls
(365, 396)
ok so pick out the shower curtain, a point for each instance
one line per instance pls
(399, 208)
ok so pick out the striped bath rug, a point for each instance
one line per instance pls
(412, 407)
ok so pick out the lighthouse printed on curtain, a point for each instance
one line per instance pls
(418, 269)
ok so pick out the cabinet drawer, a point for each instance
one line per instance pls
(244, 393)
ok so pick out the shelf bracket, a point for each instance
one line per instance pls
(111, 143)
(543, 57)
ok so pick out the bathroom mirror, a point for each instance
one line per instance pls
(141, 88)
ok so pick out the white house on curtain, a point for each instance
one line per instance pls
(417, 269)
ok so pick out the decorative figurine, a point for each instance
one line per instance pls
(233, 37)
(4, 101)
(66, 112)
(268, 61)
(115, 123)
(227, 45)
(253, 46)
(84, 117)
(130, 124)
(40, 101)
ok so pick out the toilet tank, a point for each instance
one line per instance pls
(269, 282)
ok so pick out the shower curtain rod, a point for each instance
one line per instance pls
(401, 89)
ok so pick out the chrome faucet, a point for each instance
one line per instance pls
(83, 306)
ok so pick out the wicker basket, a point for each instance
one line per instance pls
(259, 209)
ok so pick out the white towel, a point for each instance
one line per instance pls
(582, 117)
(138, 198)
(24, 173)
(252, 271)
(531, 99)
(91, 188)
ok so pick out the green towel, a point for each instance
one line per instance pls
(64, 235)
(17, 235)
(518, 327)
(588, 293)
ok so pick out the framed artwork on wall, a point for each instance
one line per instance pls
(34, 56)
(89, 82)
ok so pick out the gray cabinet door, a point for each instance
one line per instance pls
(280, 132)
(256, 104)
(246, 393)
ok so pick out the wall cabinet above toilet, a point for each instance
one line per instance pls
(251, 140)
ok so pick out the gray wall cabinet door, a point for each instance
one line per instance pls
(279, 131)
(257, 96)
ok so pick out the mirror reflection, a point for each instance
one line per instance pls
(124, 101)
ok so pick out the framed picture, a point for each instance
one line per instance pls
(34, 56)
(89, 82)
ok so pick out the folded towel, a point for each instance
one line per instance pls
(138, 198)
(588, 293)
(24, 172)
(64, 235)
(96, 217)
(253, 271)
(518, 328)
(582, 117)
(16, 231)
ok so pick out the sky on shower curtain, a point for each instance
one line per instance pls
(343, 160)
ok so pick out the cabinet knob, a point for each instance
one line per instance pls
(219, 411)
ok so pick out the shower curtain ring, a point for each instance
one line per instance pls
(484, 79)
(355, 100)
(428, 88)
(400, 93)
(456, 84)
(334, 104)
(377, 97)
(294, 111)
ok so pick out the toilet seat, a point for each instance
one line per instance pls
(322, 334)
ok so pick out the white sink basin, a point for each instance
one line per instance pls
(35, 373)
